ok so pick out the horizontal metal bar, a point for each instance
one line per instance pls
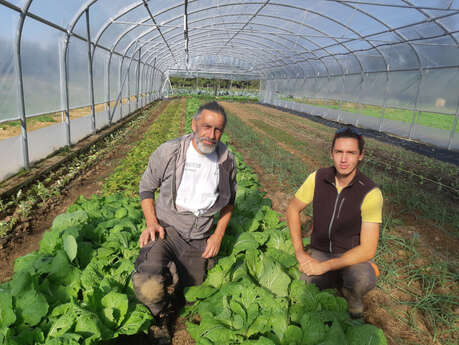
(380, 4)
(54, 111)
(377, 105)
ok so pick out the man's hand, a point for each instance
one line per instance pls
(149, 234)
(213, 246)
(311, 266)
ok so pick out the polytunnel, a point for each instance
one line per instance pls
(391, 54)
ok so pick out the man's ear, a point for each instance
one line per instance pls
(193, 125)
(362, 155)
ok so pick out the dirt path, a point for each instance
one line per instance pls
(88, 183)
(387, 305)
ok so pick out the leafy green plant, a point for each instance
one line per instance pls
(76, 289)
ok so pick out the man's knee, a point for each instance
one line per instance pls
(359, 279)
(149, 290)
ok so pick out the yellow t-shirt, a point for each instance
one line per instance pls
(371, 208)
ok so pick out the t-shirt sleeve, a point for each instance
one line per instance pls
(372, 207)
(306, 192)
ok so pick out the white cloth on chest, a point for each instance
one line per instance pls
(198, 188)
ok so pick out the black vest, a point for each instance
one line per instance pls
(337, 217)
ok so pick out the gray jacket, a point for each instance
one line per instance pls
(165, 171)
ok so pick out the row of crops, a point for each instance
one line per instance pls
(76, 288)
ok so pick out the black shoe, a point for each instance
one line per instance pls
(355, 316)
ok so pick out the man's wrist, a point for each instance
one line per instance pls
(299, 251)
(219, 233)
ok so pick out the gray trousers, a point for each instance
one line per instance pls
(168, 262)
(353, 281)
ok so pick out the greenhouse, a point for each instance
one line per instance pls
(90, 88)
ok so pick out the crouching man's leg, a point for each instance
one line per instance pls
(150, 276)
(357, 280)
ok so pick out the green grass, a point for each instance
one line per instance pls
(427, 119)
(17, 123)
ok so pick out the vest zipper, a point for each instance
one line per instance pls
(331, 223)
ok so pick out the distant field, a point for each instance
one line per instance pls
(427, 119)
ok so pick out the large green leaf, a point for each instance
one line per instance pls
(244, 242)
(274, 278)
(293, 336)
(136, 320)
(7, 315)
(116, 305)
(32, 306)
(70, 247)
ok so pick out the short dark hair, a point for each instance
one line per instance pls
(349, 132)
(211, 106)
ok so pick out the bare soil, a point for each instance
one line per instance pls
(386, 306)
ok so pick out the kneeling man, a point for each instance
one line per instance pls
(347, 213)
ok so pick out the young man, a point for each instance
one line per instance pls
(347, 212)
(196, 175)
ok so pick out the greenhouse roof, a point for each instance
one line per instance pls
(248, 39)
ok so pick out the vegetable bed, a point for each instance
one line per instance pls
(77, 289)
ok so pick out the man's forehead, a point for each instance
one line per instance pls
(209, 115)
(346, 142)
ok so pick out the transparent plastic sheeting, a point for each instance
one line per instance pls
(44, 141)
(437, 137)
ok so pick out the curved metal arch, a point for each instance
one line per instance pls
(143, 33)
(124, 11)
(227, 15)
(145, 43)
(269, 26)
(390, 29)
(247, 48)
(435, 20)
(150, 54)
(309, 40)
(281, 44)
(295, 7)
(20, 82)
(265, 37)
(337, 42)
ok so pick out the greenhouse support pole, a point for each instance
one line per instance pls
(64, 77)
(386, 91)
(90, 75)
(20, 85)
(138, 81)
(453, 130)
(107, 85)
(129, 88)
(152, 82)
(118, 98)
(147, 83)
(119, 86)
(416, 111)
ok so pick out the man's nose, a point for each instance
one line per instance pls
(213, 133)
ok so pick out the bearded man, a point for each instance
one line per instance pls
(196, 178)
